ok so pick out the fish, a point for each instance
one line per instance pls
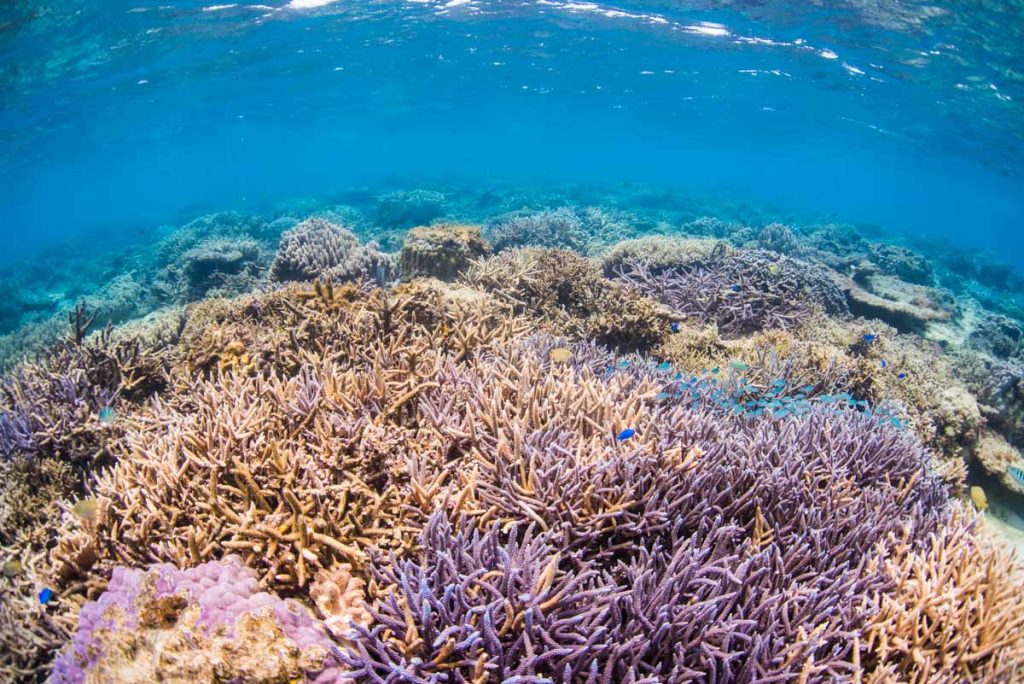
(979, 498)
(12, 568)
(773, 268)
(738, 365)
(107, 414)
(560, 355)
(85, 508)
(884, 364)
(674, 327)
(901, 376)
(870, 337)
(736, 287)
(45, 596)
(1017, 473)
(625, 434)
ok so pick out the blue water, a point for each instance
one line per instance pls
(119, 116)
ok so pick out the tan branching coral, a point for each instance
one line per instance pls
(956, 614)
(570, 296)
(340, 598)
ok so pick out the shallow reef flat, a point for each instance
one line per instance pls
(505, 435)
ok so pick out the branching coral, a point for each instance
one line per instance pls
(207, 624)
(568, 293)
(578, 229)
(956, 614)
(741, 292)
(317, 248)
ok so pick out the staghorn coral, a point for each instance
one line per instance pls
(568, 293)
(956, 613)
(316, 248)
(683, 542)
(206, 624)
(443, 251)
(740, 292)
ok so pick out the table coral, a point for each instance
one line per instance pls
(206, 624)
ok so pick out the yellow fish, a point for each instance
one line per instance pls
(85, 508)
(12, 568)
(979, 498)
(773, 268)
(560, 355)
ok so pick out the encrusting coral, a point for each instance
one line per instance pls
(441, 251)
(206, 624)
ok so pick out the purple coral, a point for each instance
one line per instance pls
(317, 248)
(710, 548)
(743, 291)
(224, 590)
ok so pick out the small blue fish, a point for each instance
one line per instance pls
(626, 434)
(45, 596)
(661, 396)
(675, 327)
(1017, 473)
(736, 287)
(714, 371)
(806, 389)
(623, 365)
(107, 414)
(664, 366)
(738, 365)
(870, 337)
(884, 364)
(901, 376)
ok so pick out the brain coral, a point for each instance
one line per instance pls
(316, 248)
(206, 624)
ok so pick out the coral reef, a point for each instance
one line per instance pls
(580, 229)
(317, 248)
(956, 614)
(571, 297)
(206, 624)
(442, 251)
(903, 263)
(407, 208)
(687, 457)
(740, 292)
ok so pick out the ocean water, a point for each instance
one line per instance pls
(518, 341)
(117, 117)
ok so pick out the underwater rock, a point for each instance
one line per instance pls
(408, 208)
(997, 335)
(441, 251)
(316, 248)
(906, 316)
(901, 262)
(206, 624)
(995, 454)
